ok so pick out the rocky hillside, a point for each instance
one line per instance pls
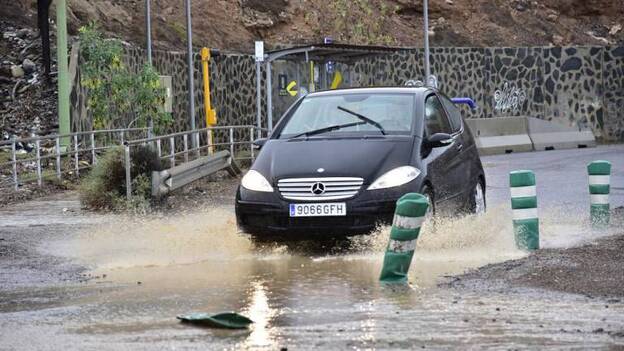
(235, 24)
(28, 104)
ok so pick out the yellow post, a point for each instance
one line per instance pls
(312, 87)
(211, 115)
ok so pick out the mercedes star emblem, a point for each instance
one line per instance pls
(318, 188)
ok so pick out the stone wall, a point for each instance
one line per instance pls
(575, 86)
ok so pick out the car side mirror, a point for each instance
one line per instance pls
(439, 140)
(259, 143)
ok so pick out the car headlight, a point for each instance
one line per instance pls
(254, 181)
(398, 176)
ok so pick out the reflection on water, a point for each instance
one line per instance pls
(262, 314)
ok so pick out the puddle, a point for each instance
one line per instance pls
(311, 294)
(314, 294)
(206, 239)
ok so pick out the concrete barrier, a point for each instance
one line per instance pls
(548, 135)
(500, 135)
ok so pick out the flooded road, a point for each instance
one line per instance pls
(138, 274)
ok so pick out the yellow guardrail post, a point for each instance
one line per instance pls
(211, 115)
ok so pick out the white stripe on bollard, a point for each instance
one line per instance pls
(407, 222)
(401, 246)
(524, 213)
(523, 191)
(599, 180)
(599, 199)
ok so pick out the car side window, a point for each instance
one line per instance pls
(435, 117)
(453, 113)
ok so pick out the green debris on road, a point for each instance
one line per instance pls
(226, 320)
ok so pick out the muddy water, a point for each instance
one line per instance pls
(310, 294)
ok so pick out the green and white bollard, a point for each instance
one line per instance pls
(524, 208)
(599, 180)
(409, 215)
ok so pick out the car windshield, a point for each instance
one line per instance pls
(351, 114)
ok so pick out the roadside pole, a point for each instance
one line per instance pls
(426, 28)
(148, 35)
(148, 30)
(599, 187)
(269, 93)
(259, 59)
(524, 209)
(409, 215)
(191, 84)
(211, 115)
(63, 71)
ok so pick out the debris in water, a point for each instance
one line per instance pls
(227, 320)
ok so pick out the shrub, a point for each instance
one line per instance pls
(105, 184)
(105, 187)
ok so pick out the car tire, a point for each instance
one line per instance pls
(477, 203)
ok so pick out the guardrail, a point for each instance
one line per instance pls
(81, 151)
(174, 178)
(175, 149)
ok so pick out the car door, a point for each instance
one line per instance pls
(466, 180)
(444, 166)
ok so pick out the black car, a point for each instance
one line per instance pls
(338, 160)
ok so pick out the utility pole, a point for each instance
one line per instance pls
(148, 34)
(191, 84)
(43, 16)
(63, 71)
(426, 25)
(148, 30)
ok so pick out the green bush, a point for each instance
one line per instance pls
(105, 186)
(115, 93)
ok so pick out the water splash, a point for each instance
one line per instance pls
(211, 234)
(208, 234)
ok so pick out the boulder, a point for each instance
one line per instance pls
(24, 33)
(29, 66)
(17, 71)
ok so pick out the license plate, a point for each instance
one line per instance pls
(318, 210)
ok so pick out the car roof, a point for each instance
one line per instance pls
(402, 90)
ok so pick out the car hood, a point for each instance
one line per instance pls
(365, 158)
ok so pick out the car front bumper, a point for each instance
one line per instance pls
(268, 213)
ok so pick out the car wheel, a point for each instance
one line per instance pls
(477, 200)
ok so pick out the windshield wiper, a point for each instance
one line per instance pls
(327, 129)
(364, 118)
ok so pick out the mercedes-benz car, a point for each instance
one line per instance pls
(337, 161)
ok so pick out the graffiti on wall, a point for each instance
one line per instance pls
(509, 99)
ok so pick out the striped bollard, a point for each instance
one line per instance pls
(599, 179)
(524, 208)
(410, 212)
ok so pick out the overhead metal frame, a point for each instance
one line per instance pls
(321, 53)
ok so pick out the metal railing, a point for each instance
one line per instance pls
(174, 148)
(47, 158)
(80, 153)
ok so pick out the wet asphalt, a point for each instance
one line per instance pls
(76, 280)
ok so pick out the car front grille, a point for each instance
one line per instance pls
(334, 188)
